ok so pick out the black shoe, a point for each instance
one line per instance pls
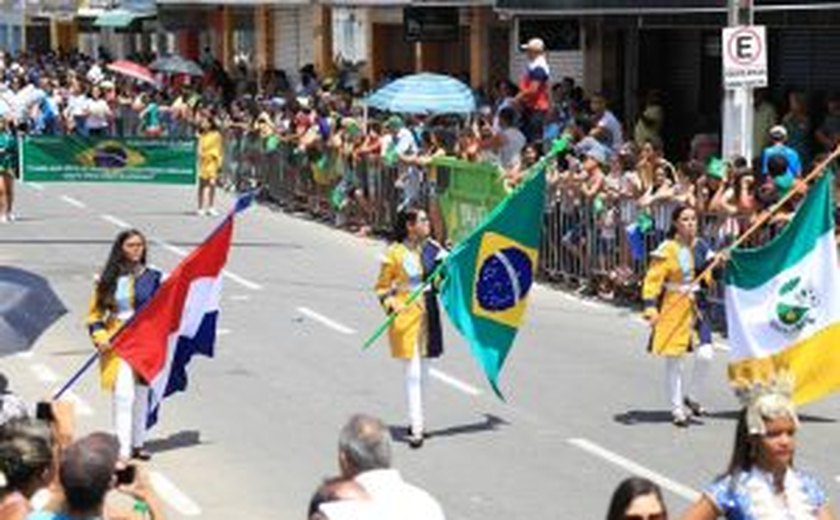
(696, 408)
(408, 434)
(141, 454)
(415, 441)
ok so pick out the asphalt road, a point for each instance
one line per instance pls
(257, 429)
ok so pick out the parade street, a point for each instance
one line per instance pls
(257, 429)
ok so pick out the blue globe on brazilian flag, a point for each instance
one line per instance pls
(489, 275)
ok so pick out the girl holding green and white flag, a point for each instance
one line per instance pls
(675, 308)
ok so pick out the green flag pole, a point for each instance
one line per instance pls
(558, 146)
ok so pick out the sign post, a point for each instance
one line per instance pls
(744, 49)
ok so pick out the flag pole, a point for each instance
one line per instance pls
(767, 215)
(72, 381)
(559, 146)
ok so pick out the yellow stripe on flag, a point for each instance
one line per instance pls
(814, 362)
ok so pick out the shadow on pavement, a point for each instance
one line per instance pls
(488, 424)
(632, 417)
(182, 439)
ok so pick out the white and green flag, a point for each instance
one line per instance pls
(783, 302)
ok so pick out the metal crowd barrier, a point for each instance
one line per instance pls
(595, 251)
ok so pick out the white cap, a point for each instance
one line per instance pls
(534, 44)
(778, 132)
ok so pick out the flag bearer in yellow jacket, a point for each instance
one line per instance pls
(677, 312)
(123, 287)
(210, 155)
(415, 336)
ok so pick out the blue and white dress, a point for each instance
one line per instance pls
(750, 495)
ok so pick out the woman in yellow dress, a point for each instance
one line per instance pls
(676, 310)
(415, 336)
(210, 155)
(125, 285)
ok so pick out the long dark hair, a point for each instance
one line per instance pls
(627, 491)
(114, 268)
(404, 218)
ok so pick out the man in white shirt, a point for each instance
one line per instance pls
(364, 454)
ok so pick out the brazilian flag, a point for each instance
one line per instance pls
(489, 275)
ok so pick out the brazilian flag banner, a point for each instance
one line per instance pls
(68, 158)
(489, 275)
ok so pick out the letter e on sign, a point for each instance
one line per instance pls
(744, 56)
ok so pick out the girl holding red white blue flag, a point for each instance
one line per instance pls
(124, 286)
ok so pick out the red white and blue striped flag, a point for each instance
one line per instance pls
(179, 321)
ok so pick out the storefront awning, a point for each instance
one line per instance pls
(118, 18)
(620, 7)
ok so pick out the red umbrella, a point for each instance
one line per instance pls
(133, 70)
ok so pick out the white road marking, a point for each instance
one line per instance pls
(73, 202)
(172, 495)
(637, 469)
(309, 313)
(35, 186)
(82, 408)
(837, 479)
(454, 383)
(240, 298)
(248, 284)
(27, 354)
(169, 247)
(43, 373)
(223, 332)
(115, 221)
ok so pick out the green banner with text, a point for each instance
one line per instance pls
(80, 159)
(468, 192)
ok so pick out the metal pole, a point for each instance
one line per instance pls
(738, 103)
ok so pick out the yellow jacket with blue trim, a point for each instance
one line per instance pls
(667, 294)
(400, 273)
(104, 323)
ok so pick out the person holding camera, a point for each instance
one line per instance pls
(125, 285)
(88, 470)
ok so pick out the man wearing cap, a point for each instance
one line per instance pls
(778, 136)
(533, 97)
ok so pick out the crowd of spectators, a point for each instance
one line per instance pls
(610, 198)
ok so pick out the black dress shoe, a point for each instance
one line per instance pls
(140, 454)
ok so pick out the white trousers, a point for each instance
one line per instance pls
(131, 401)
(416, 379)
(674, 368)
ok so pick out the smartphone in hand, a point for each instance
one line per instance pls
(126, 475)
(44, 411)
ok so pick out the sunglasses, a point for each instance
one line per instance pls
(653, 516)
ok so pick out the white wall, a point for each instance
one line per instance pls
(294, 44)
